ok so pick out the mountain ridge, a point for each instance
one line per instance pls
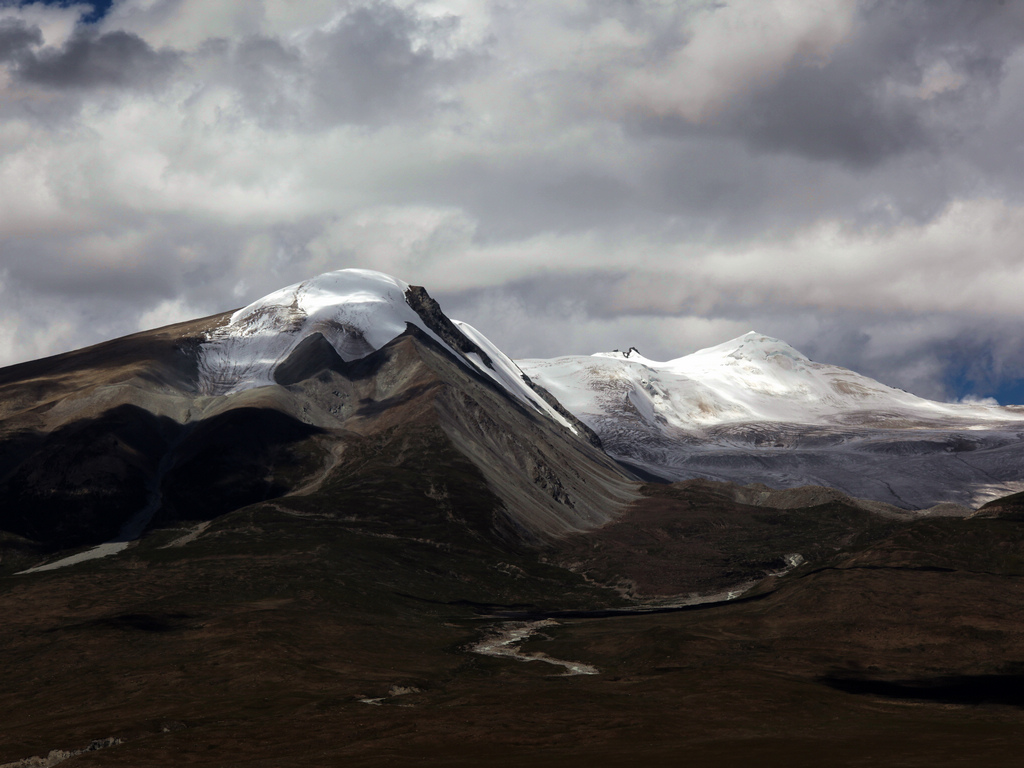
(754, 409)
(749, 410)
(296, 407)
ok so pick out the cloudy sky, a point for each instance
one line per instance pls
(567, 175)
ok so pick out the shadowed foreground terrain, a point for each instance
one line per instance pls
(282, 637)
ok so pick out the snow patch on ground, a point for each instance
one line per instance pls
(105, 549)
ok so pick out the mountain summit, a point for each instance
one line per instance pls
(353, 312)
(755, 346)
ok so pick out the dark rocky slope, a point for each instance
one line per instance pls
(87, 437)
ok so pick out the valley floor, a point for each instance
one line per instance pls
(276, 640)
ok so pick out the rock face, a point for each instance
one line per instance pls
(328, 390)
(756, 410)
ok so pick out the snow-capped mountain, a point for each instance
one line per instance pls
(351, 390)
(357, 311)
(756, 410)
(752, 409)
(344, 380)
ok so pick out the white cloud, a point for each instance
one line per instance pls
(734, 48)
(973, 400)
(188, 23)
(56, 22)
(478, 145)
(168, 312)
(31, 340)
(968, 258)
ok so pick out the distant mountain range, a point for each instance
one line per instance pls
(754, 409)
(289, 393)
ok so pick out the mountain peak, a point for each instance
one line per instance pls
(631, 353)
(356, 310)
(752, 346)
(353, 312)
(360, 298)
(755, 346)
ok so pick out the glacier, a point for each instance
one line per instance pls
(756, 410)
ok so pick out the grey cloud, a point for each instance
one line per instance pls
(860, 108)
(829, 114)
(163, 257)
(90, 60)
(889, 154)
(55, 266)
(696, 188)
(374, 67)
(516, 196)
(271, 78)
(17, 37)
(368, 68)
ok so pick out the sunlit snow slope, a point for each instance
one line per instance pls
(756, 410)
(357, 311)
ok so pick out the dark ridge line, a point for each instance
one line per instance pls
(925, 568)
(920, 568)
(591, 436)
(429, 311)
(477, 607)
(436, 320)
(489, 610)
(644, 474)
(964, 690)
(610, 613)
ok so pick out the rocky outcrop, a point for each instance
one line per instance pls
(436, 320)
